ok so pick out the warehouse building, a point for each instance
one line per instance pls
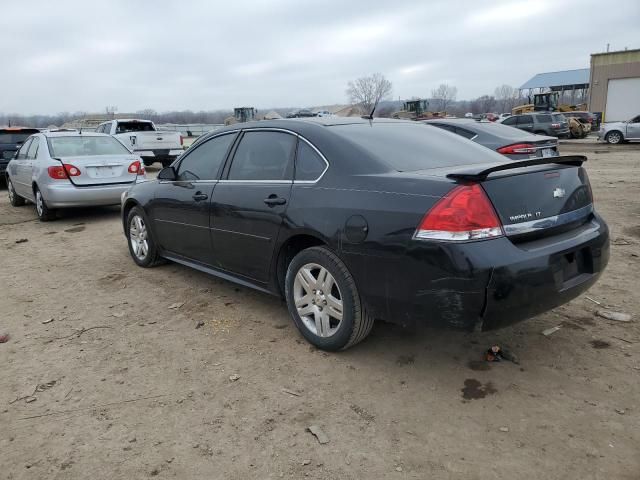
(615, 84)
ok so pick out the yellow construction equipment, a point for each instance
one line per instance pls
(548, 102)
(417, 110)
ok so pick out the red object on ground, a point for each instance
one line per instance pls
(4, 338)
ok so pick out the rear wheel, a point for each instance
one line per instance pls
(323, 300)
(166, 163)
(142, 247)
(614, 137)
(15, 199)
(45, 214)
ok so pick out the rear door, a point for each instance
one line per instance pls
(249, 205)
(180, 209)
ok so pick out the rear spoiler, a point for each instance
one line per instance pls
(481, 172)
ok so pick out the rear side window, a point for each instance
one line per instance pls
(558, 117)
(124, 127)
(263, 156)
(510, 121)
(309, 165)
(544, 118)
(525, 119)
(204, 161)
(33, 148)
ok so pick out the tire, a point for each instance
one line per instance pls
(45, 214)
(142, 246)
(166, 163)
(614, 137)
(147, 163)
(15, 199)
(304, 275)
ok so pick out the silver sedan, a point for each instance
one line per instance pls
(59, 169)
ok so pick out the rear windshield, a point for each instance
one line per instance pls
(15, 137)
(409, 147)
(124, 127)
(84, 146)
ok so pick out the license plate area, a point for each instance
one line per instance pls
(103, 172)
(572, 268)
(548, 152)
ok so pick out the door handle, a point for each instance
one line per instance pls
(199, 196)
(274, 200)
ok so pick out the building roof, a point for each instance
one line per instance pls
(565, 78)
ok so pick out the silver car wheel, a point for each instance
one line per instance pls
(138, 237)
(614, 137)
(318, 300)
(39, 203)
(10, 190)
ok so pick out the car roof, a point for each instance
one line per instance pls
(71, 133)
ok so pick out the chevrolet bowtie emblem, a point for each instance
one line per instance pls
(558, 193)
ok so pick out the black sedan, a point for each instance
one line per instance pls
(352, 220)
(509, 141)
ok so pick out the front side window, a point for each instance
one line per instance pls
(309, 165)
(22, 153)
(510, 121)
(204, 161)
(263, 155)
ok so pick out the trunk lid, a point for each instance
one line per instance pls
(101, 169)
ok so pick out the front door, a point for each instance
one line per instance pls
(525, 122)
(633, 128)
(20, 171)
(249, 205)
(180, 209)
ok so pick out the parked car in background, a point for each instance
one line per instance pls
(503, 139)
(11, 139)
(145, 140)
(323, 113)
(502, 116)
(618, 132)
(490, 117)
(352, 220)
(551, 124)
(70, 169)
(468, 115)
(302, 113)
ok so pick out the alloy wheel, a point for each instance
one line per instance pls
(614, 137)
(138, 237)
(10, 190)
(318, 300)
(39, 203)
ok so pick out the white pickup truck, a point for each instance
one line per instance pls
(145, 140)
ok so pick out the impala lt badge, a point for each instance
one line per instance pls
(558, 193)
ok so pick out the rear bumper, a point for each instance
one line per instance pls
(68, 195)
(485, 284)
(166, 153)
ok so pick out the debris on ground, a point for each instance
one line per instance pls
(306, 462)
(319, 434)
(497, 354)
(290, 392)
(44, 322)
(592, 300)
(617, 316)
(504, 429)
(175, 306)
(550, 331)
(117, 314)
(234, 377)
(4, 338)
(200, 323)
(620, 411)
(398, 468)
(30, 399)
(22, 240)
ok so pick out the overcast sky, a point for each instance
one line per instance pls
(206, 55)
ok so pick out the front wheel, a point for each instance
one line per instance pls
(323, 300)
(614, 137)
(15, 199)
(142, 247)
(45, 214)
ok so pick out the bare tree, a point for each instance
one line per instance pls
(483, 104)
(507, 97)
(445, 94)
(368, 91)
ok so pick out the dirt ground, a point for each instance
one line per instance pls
(120, 385)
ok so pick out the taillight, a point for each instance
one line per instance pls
(517, 148)
(555, 125)
(136, 167)
(181, 140)
(71, 170)
(63, 172)
(464, 214)
(57, 173)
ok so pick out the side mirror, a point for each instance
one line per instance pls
(168, 174)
